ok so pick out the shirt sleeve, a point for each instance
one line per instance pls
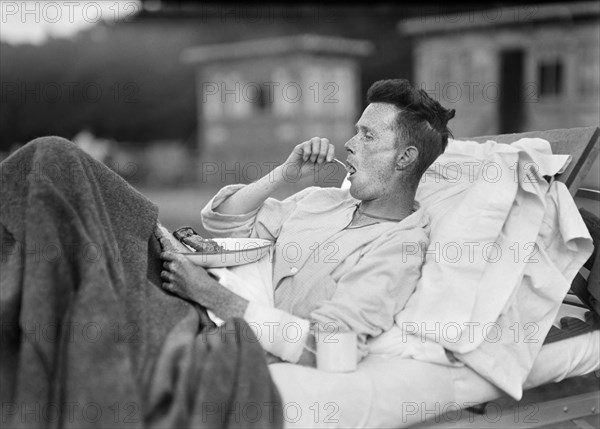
(226, 225)
(264, 222)
(278, 332)
(368, 297)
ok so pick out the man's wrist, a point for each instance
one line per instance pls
(283, 180)
(293, 178)
(225, 303)
(280, 176)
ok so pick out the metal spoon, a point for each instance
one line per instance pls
(338, 161)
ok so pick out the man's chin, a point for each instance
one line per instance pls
(354, 192)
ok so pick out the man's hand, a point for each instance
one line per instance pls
(307, 159)
(302, 166)
(167, 241)
(183, 278)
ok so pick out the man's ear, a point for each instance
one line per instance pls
(407, 157)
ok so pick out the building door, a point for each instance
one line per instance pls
(511, 108)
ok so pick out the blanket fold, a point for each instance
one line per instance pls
(88, 337)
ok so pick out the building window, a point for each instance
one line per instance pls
(588, 79)
(550, 77)
(234, 102)
(261, 97)
(283, 106)
(315, 77)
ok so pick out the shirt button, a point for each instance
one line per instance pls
(294, 270)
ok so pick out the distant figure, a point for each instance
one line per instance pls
(98, 149)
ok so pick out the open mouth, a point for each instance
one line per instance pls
(350, 168)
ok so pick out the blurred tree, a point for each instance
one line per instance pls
(119, 82)
(125, 81)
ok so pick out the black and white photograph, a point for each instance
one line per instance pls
(369, 214)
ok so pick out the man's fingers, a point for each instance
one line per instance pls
(330, 152)
(316, 148)
(306, 150)
(172, 256)
(168, 286)
(323, 150)
(166, 244)
(166, 275)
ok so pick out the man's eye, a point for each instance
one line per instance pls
(364, 135)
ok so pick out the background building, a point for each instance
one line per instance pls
(511, 69)
(257, 99)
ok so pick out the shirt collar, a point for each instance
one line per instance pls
(417, 219)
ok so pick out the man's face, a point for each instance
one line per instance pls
(372, 153)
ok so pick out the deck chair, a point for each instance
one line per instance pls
(574, 402)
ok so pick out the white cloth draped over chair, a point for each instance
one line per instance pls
(505, 246)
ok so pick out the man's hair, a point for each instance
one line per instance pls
(422, 121)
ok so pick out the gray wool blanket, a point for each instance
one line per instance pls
(88, 337)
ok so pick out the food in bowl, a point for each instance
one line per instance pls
(191, 238)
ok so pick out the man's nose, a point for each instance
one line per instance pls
(349, 145)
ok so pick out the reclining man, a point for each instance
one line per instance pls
(401, 133)
(146, 355)
(365, 230)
